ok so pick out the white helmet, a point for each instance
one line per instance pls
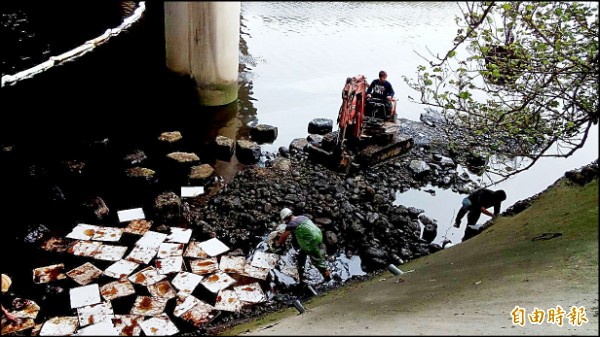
(285, 213)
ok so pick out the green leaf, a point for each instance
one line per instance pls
(465, 95)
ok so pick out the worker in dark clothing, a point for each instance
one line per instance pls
(308, 237)
(478, 202)
(380, 91)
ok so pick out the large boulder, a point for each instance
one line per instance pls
(419, 168)
(141, 174)
(167, 207)
(430, 228)
(200, 174)
(248, 152)
(263, 133)
(320, 126)
(298, 145)
(224, 147)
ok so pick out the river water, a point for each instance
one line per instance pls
(300, 53)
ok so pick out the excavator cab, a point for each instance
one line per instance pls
(376, 108)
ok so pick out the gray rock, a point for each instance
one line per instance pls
(447, 162)
(170, 137)
(430, 232)
(200, 175)
(263, 133)
(167, 206)
(224, 147)
(141, 174)
(420, 168)
(320, 126)
(184, 157)
(432, 118)
(248, 152)
(298, 145)
(281, 164)
(330, 238)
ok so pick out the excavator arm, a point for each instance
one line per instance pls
(352, 111)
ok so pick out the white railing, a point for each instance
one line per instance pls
(8, 80)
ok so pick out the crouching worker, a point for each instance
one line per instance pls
(476, 203)
(308, 237)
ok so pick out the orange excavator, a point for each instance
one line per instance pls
(363, 117)
(367, 133)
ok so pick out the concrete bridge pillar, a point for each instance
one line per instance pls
(202, 41)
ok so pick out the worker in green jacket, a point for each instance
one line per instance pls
(308, 237)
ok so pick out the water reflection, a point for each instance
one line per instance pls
(438, 204)
(302, 53)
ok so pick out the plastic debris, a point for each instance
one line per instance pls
(194, 250)
(213, 247)
(179, 235)
(84, 295)
(186, 282)
(59, 326)
(394, 270)
(138, 227)
(85, 273)
(148, 306)
(204, 266)
(169, 265)
(228, 300)
(169, 249)
(95, 313)
(120, 269)
(131, 214)
(147, 276)
(49, 273)
(251, 293)
(128, 325)
(117, 289)
(264, 260)
(217, 282)
(232, 264)
(162, 289)
(191, 191)
(299, 306)
(159, 326)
